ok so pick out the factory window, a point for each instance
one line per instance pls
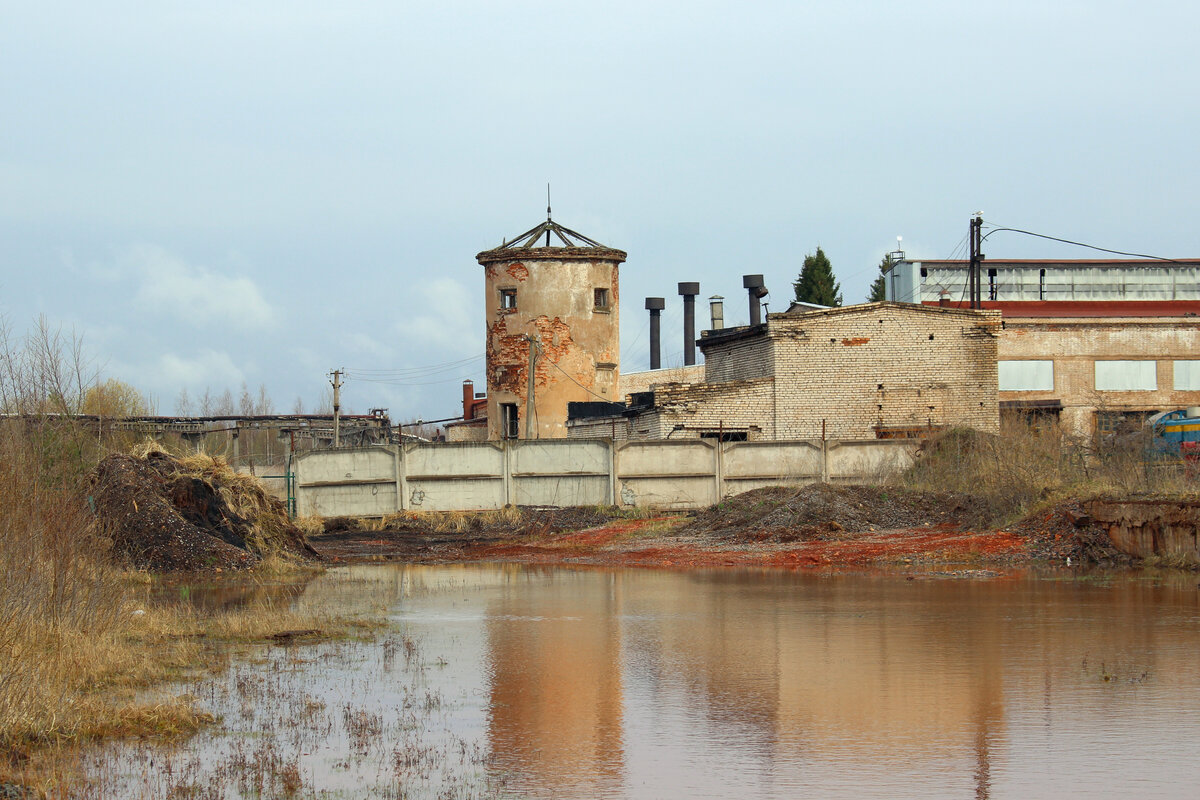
(1126, 376)
(1187, 376)
(508, 298)
(1120, 423)
(601, 296)
(510, 420)
(1026, 376)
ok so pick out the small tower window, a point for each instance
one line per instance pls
(508, 298)
(601, 296)
(509, 419)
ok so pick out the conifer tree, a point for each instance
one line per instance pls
(816, 283)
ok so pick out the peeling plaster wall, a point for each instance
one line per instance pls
(579, 344)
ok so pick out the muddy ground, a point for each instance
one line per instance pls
(812, 526)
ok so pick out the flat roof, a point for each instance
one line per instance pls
(1016, 309)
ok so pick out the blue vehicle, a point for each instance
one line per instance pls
(1176, 434)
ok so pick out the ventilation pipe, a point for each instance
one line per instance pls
(655, 305)
(468, 399)
(716, 307)
(689, 292)
(754, 287)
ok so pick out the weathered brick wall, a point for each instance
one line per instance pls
(467, 433)
(642, 381)
(687, 411)
(616, 428)
(884, 364)
(737, 359)
(1075, 344)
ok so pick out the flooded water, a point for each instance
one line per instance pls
(522, 681)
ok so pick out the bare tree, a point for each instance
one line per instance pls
(207, 403)
(263, 405)
(183, 403)
(225, 407)
(245, 401)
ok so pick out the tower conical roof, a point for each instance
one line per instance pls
(548, 232)
(553, 240)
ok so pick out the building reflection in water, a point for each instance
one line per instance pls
(803, 676)
(555, 712)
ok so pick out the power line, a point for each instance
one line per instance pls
(439, 367)
(1082, 244)
(407, 382)
(577, 383)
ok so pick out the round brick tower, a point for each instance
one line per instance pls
(551, 301)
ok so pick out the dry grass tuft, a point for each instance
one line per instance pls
(1033, 464)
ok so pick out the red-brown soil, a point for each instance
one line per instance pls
(812, 526)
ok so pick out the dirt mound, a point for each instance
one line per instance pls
(1066, 530)
(824, 511)
(166, 514)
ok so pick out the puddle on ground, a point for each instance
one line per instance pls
(556, 682)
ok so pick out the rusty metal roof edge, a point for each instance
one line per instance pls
(866, 308)
(551, 253)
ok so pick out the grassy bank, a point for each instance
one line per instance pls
(83, 641)
(1029, 465)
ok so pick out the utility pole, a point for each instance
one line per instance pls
(337, 406)
(974, 235)
(533, 354)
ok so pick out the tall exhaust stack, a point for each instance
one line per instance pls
(716, 307)
(689, 292)
(755, 288)
(468, 398)
(655, 305)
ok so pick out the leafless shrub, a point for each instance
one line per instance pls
(1033, 461)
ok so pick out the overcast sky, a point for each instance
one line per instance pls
(216, 193)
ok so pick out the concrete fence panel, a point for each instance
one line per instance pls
(363, 500)
(752, 465)
(471, 476)
(667, 474)
(358, 482)
(455, 476)
(868, 461)
(561, 472)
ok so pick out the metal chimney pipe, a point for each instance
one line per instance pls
(689, 292)
(655, 305)
(716, 308)
(468, 398)
(754, 287)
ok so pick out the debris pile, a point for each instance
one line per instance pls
(196, 513)
(822, 511)
(1066, 530)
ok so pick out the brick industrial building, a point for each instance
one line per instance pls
(1097, 344)
(878, 370)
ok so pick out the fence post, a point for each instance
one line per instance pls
(612, 472)
(825, 460)
(401, 483)
(508, 445)
(719, 469)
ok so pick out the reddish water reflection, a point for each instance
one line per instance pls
(526, 681)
